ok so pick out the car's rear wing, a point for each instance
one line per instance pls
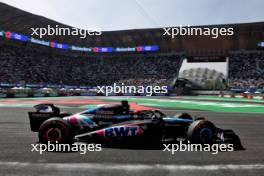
(37, 118)
(44, 112)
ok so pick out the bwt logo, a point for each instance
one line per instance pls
(122, 131)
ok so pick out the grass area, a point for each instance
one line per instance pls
(204, 97)
(196, 105)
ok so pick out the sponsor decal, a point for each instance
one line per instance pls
(122, 131)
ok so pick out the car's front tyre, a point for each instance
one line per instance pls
(202, 132)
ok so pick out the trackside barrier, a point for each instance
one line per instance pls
(243, 95)
(249, 97)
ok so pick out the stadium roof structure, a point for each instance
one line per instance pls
(246, 36)
(200, 75)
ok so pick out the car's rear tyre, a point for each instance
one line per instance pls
(55, 130)
(201, 132)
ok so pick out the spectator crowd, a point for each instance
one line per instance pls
(35, 66)
(246, 71)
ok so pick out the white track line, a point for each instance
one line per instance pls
(132, 167)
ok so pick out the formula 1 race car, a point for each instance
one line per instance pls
(118, 124)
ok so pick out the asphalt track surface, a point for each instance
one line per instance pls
(16, 157)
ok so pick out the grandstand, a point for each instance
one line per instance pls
(246, 70)
(138, 57)
(33, 66)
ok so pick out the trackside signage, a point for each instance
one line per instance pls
(40, 42)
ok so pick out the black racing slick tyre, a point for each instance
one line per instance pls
(55, 130)
(201, 132)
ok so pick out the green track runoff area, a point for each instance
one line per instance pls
(203, 103)
(195, 103)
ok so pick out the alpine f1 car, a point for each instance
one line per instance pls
(117, 123)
